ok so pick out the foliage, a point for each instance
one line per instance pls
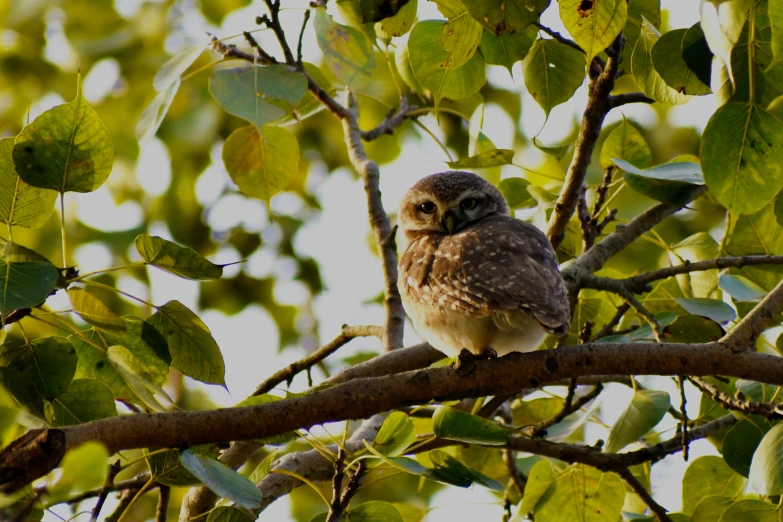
(270, 124)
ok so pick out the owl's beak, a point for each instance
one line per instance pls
(449, 221)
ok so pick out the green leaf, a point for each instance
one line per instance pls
(628, 144)
(374, 511)
(594, 24)
(709, 509)
(479, 143)
(776, 21)
(461, 34)
(709, 475)
(22, 390)
(152, 116)
(405, 464)
(553, 72)
(693, 329)
(697, 54)
(490, 158)
(449, 470)
(167, 468)
(506, 16)
(222, 480)
(713, 309)
(83, 468)
(170, 72)
(515, 192)
(66, 148)
(668, 56)
(766, 469)
(672, 183)
(757, 233)
(347, 51)
(400, 23)
(452, 424)
(643, 71)
(556, 151)
(637, 10)
(86, 400)
(741, 151)
(741, 442)
(95, 313)
(506, 49)
(576, 493)
(698, 247)
(21, 205)
(646, 409)
(257, 94)
(28, 277)
(430, 66)
(752, 59)
(395, 435)
(404, 67)
(779, 208)
(261, 164)
(48, 362)
(193, 350)
(751, 510)
(228, 514)
(178, 260)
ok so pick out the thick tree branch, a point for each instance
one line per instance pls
(379, 221)
(589, 130)
(287, 374)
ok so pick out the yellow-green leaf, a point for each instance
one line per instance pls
(261, 164)
(66, 148)
(627, 143)
(94, 312)
(194, 351)
(742, 156)
(347, 51)
(594, 24)
(49, 362)
(643, 70)
(86, 400)
(28, 277)
(178, 260)
(553, 72)
(21, 204)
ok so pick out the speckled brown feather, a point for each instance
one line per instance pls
(497, 264)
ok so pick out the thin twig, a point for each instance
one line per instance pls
(107, 488)
(559, 37)
(608, 328)
(263, 56)
(683, 417)
(335, 508)
(301, 37)
(658, 510)
(569, 407)
(274, 24)
(617, 100)
(517, 477)
(287, 374)
(769, 410)
(393, 120)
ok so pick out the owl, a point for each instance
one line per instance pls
(471, 276)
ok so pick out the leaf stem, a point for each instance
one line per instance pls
(106, 270)
(62, 229)
(117, 290)
(141, 491)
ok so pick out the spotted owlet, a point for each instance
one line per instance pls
(472, 277)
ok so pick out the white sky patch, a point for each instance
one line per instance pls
(233, 210)
(92, 256)
(49, 101)
(101, 80)
(58, 49)
(153, 168)
(98, 210)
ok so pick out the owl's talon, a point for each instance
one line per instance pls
(465, 363)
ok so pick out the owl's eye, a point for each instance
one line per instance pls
(428, 207)
(468, 203)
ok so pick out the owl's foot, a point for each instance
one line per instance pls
(465, 363)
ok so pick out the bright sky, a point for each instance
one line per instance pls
(351, 273)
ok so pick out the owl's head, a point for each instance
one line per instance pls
(448, 202)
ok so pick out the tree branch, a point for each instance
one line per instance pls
(589, 130)
(570, 406)
(379, 221)
(274, 25)
(765, 409)
(104, 492)
(631, 97)
(658, 510)
(287, 374)
(559, 37)
(391, 122)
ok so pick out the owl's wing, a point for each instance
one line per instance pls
(499, 264)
